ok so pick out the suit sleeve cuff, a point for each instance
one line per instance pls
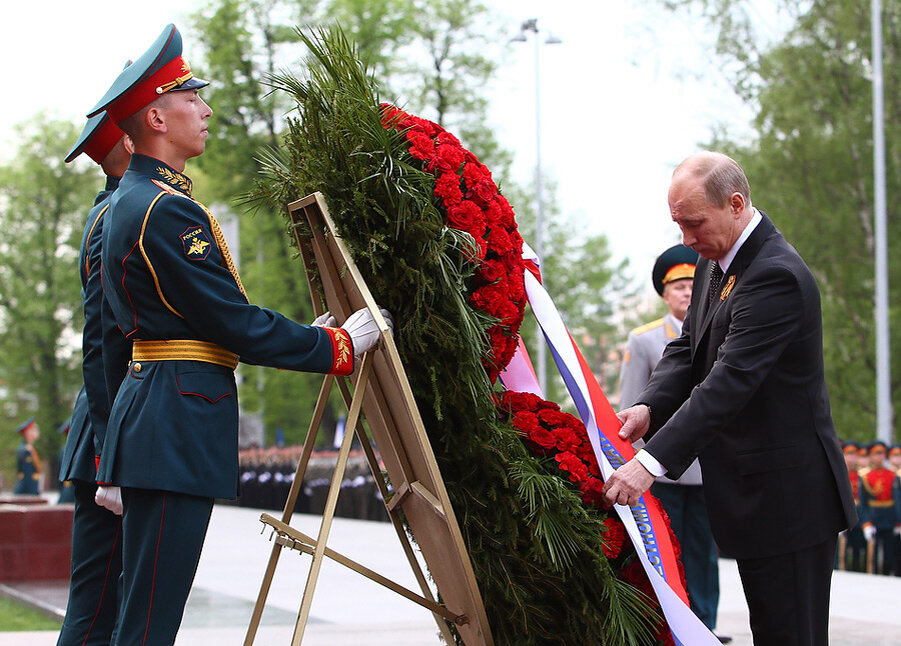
(650, 463)
(342, 351)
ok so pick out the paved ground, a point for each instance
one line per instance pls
(349, 610)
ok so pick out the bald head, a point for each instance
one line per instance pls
(710, 200)
(719, 174)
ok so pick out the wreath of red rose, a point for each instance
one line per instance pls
(473, 204)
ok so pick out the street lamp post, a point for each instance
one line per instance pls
(883, 356)
(531, 25)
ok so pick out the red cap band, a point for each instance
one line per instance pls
(168, 77)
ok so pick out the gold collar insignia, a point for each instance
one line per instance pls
(177, 180)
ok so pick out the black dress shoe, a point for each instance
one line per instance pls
(724, 639)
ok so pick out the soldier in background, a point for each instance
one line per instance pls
(683, 499)
(880, 509)
(853, 547)
(28, 464)
(894, 458)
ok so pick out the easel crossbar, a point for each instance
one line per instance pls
(291, 538)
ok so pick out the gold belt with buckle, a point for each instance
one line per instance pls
(183, 350)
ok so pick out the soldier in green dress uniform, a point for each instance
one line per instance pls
(172, 438)
(28, 464)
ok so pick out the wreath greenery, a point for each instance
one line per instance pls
(437, 245)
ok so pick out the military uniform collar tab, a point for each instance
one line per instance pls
(162, 172)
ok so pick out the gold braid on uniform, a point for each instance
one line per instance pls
(219, 237)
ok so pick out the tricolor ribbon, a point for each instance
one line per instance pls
(644, 522)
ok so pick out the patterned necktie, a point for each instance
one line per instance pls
(716, 277)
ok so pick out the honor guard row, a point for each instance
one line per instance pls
(28, 464)
(168, 327)
(874, 545)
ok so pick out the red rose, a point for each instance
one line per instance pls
(444, 137)
(447, 187)
(526, 421)
(521, 401)
(491, 271)
(570, 462)
(421, 146)
(568, 441)
(614, 536)
(448, 157)
(483, 192)
(555, 418)
(463, 216)
(475, 172)
(506, 213)
(542, 438)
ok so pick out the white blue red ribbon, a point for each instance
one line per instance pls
(644, 522)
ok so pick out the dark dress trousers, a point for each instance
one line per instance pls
(96, 532)
(743, 389)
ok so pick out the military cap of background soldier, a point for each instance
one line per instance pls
(877, 446)
(894, 449)
(24, 426)
(850, 447)
(675, 263)
(159, 70)
(97, 138)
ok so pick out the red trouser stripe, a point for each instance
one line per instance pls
(109, 565)
(156, 559)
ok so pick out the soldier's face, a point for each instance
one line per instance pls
(677, 296)
(186, 117)
(32, 434)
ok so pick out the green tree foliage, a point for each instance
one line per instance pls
(43, 204)
(811, 167)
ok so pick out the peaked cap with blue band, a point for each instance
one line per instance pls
(675, 263)
(159, 70)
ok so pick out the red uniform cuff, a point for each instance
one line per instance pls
(342, 351)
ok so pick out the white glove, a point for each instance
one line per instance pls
(869, 532)
(324, 320)
(363, 331)
(897, 530)
(109, 497)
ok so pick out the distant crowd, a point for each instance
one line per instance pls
(268, 473)
(874, 544)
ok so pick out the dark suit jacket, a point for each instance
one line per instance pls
(743, 388)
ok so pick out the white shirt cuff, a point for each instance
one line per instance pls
(650, 463)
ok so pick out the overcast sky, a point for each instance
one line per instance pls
(619, 103)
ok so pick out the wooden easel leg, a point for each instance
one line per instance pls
(294, 492)
(332, 500)
(398, 525)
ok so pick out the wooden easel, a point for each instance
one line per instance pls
(382, 395)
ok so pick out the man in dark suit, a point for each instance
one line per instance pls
(743, 389)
